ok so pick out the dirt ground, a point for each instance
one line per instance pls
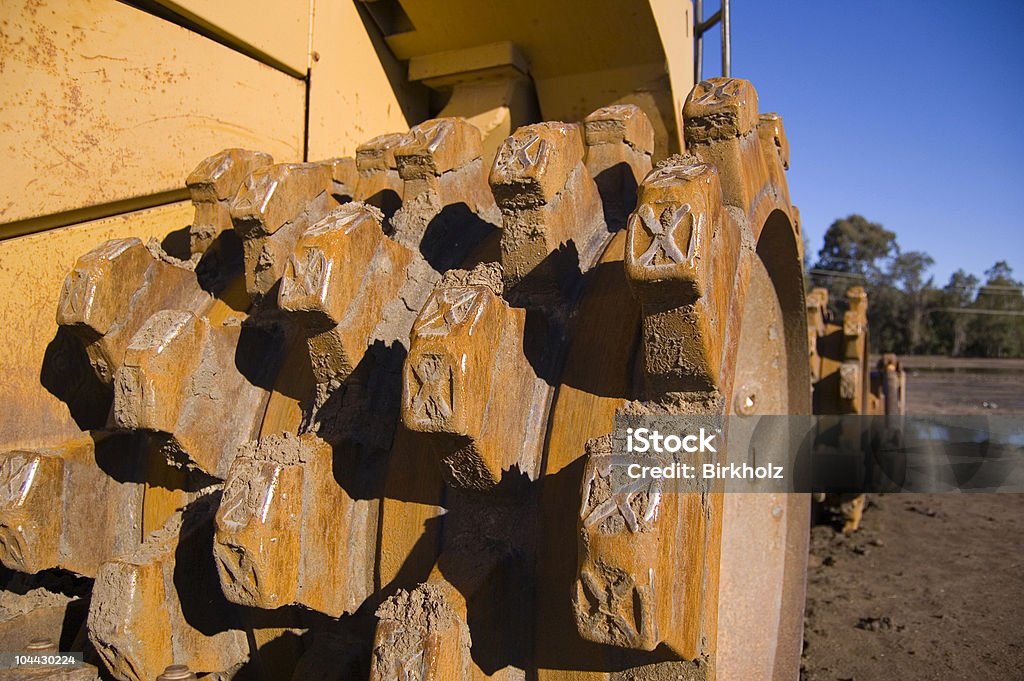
(931, 586)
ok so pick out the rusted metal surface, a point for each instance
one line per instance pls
(111, 293)
(162, 602)
(844, 383)
(421, 432)
(288, 534)
(98, 511)
(272, 209)
(212, 186)
(378, 183)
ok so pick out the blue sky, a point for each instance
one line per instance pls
(910, 113)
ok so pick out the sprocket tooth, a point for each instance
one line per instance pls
(422, 635)
(111, 292)
(212, 186)
(344, 177)
(180, 378)
(289, 534)
(723, 128)
(340, 276)
(853, 383)
(466, 378)
(630, 591)
(720, 109)
(378, 183)
(670, 267)
(549, 203)
(275, 205)
(620, 144)
(773, 137)
(817, 314)
(162, 605)
(892, 388)
(446, 207)
(30, 532)
(59, 509)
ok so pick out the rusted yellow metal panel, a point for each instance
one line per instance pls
(351, 98)
(275, 31)
(675, 28)
(32, 270)
(102, 103)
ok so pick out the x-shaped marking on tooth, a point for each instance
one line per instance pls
(672, 174)
(612, 603)
(620, 502)
(309, 272)
(76, 292)
(611, 111)
(525, 151)
(446, 310)
(718, 93)
(11, 543)
(430, 135)
(237, 563)
(430, 373)
(412, 667)
(234, 501)
(17, 473)
(662, 230)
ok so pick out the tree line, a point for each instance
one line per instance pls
(907, 312)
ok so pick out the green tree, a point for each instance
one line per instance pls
(856, 245)
(994, 334)
(951, 328)
(853, 253)
(906, 272)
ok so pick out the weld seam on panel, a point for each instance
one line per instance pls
(79, 215)
(191, 22)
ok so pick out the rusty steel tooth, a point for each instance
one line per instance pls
(892, 387)
(466, 377)
(180, 378)
(337, 281)
(289, 534)
(720, 121)
(852, 382)
(422, 635)
(378, 183)
(112, 291)
(620, 143)
(29, 528)
(344, 177)
(437, 146)
(212, 185)
(668, 265)
(632, 591)
(817, 313)
(446, 207)
(275, 205)
(95, 516)
(143, 616)
(838, 354)
(773, 137)
(720, 108)
(548, 201)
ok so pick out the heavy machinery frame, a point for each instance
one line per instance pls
(351, 421)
